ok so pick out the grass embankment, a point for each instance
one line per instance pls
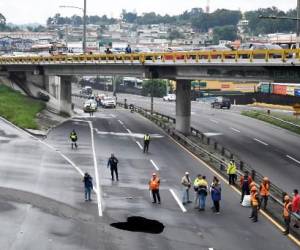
(19, 109)
(260, 115)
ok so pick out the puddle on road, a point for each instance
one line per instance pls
(140, 224)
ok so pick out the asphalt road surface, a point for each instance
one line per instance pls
(42, 205)
(272, 151)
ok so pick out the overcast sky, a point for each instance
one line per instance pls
(37, 11)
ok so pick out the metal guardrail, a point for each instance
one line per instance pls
(249, 56)
(275, 203)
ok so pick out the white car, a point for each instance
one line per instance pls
(108, 102)
(90, 105)
(169, 97)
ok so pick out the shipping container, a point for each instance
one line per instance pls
(266, 88)
(297, 92)
(290, 90)
(279, 89)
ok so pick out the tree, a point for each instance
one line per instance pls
(227, 32)
(159, 87)
(129, 17)
(2, 19)
(175, 34)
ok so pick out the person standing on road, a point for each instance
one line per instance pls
(264, 191)
(196, 188)
(287, 210)
(296, 206)
(255, 204)
(74, 138)
(154, 188)
(215, 190)
(202, 190)
(128, 49)
(113, 164)
(231, 171)
(146, 142)
(88, 186)
(186, 183)
(245, 185)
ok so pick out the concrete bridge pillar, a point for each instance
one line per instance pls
(183, 106)
(65, 95)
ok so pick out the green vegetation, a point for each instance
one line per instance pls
(260, 115)
(19, 109)
(159, 87)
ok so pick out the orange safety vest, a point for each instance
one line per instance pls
(265, 189)
(254, 200)
(154, 184)
(286, 211)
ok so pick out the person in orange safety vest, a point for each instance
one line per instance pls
(287, 210)
(154, 188)
(264, 191)
(255, 204)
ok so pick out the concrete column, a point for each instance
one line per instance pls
(65, 95)
(183, 106)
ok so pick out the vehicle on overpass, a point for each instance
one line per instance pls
(221, 102)
(108, 102)
(90, 106)
(262, 46)
(169, 98)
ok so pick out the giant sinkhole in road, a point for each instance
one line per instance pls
(140, 224)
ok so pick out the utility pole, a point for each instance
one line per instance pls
(152, 90)
(84, 27)
(298, 25)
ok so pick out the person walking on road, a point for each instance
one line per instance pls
(202, 190)
(146, 143)
(215, 190)
(255, 204)
(186, 183)
(88, 186)
(264, 191)
(231, 171)
(287, 210)
(154, 188)
(74, 138)
(296, 206)
(113, 164)
(196, 188)
(245, 185)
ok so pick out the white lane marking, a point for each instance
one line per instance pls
(262, 142)
(96, 170)
(154, 165)
(177, 200)
(211, 134)
(236, 130)
(135, 135)
(72, 163)
(139, 144)
(292, 158)
(210, 248)
(214, 121)
(128, 130)
(120, 122)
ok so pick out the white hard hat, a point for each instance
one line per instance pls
(154, 174)
(186, 173)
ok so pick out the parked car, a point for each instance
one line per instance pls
(90, 105)
(108, 102)
(221, 102)
(169, 98)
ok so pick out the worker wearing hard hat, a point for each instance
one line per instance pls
(264, 191)
(186, 183)
(287, 210)
(154, 188)
(255, 203)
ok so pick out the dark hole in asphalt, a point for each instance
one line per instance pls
(140, 224)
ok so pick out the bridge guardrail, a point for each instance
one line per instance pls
(249, 56)
(208, 155)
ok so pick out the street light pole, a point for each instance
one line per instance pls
(298, 25)
(84, 28)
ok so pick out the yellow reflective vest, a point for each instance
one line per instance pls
(231, 168)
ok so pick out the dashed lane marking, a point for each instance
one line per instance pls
(154, 165)
(262, 142)
(177, 200)
(128, 130)
(139, 144)
(214, 121)
(236, 130)
(120, 122)
(293, 159)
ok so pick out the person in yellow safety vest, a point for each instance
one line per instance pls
(264, 191)
(154, 188)
(196, 187)
(255, 204)
(74, 138)
(287, 210)
(231, 171)
(146, 142)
